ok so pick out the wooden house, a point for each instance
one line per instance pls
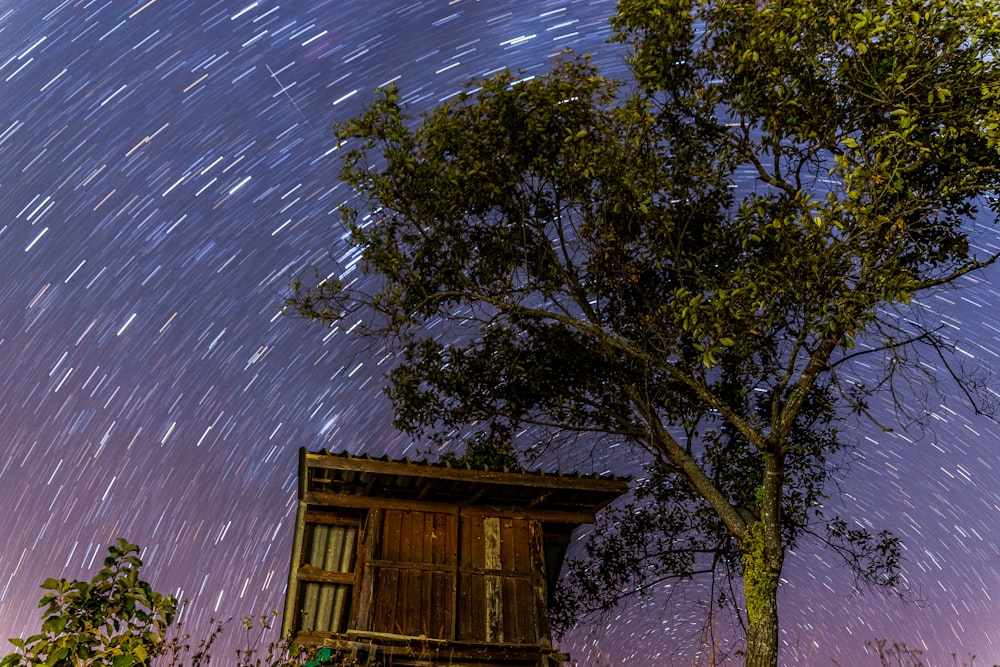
(411, 563)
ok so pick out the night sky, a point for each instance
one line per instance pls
(167, 167)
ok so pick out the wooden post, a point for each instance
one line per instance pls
(365, 581)
(456, 574)
(536, 549)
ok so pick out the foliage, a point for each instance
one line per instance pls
(485, 452)
(710, 264)
(116, 619)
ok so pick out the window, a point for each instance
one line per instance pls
(326, 575)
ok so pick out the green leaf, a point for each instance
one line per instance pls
(54, 624)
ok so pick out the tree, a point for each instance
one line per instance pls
(115, 620)
(696, 264)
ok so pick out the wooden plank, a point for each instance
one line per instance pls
(391, 636)
(290, 621)
(508, 545)
(366, 574)
(512, 611)
(407, 651)
(433, 567)
(344, 500)
(522, 599)
(456, 539)
(493, 585)
(427, 609)
(408, 565)
(408, 615)
(442, 550)
(430, 618)
(347, 518)
(541, 631)
(475, 556)
(416, 537)
(441, 537)
(391, 537)
(522, 546)
(492, 558)
(515, 560)
(472, 621)
(442, 612)
(312, 573)
(386, 600)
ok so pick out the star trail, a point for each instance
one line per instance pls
(167, 167)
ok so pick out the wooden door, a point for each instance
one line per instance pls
(414, 574)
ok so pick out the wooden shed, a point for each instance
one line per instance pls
(411, 563)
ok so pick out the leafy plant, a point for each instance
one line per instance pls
(114, 620)
(118, 620)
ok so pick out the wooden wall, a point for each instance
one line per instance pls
(468, 577)
(414, 574)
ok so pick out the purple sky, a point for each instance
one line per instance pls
(167, 167)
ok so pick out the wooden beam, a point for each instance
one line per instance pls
(540, 498)
(450, 567)
(403, 469)
(330, 519)
(346, 500)
(536, 551)
(289, 621)
(453, 631)
(371, 536)
(428, 487)
(312, 573)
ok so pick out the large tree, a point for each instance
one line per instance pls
(694, 263)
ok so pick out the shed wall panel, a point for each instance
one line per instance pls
(497, 585)
(414, 574)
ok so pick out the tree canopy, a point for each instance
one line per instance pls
(693, 262)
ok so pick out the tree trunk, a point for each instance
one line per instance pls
(762, 628)
(761, 574)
